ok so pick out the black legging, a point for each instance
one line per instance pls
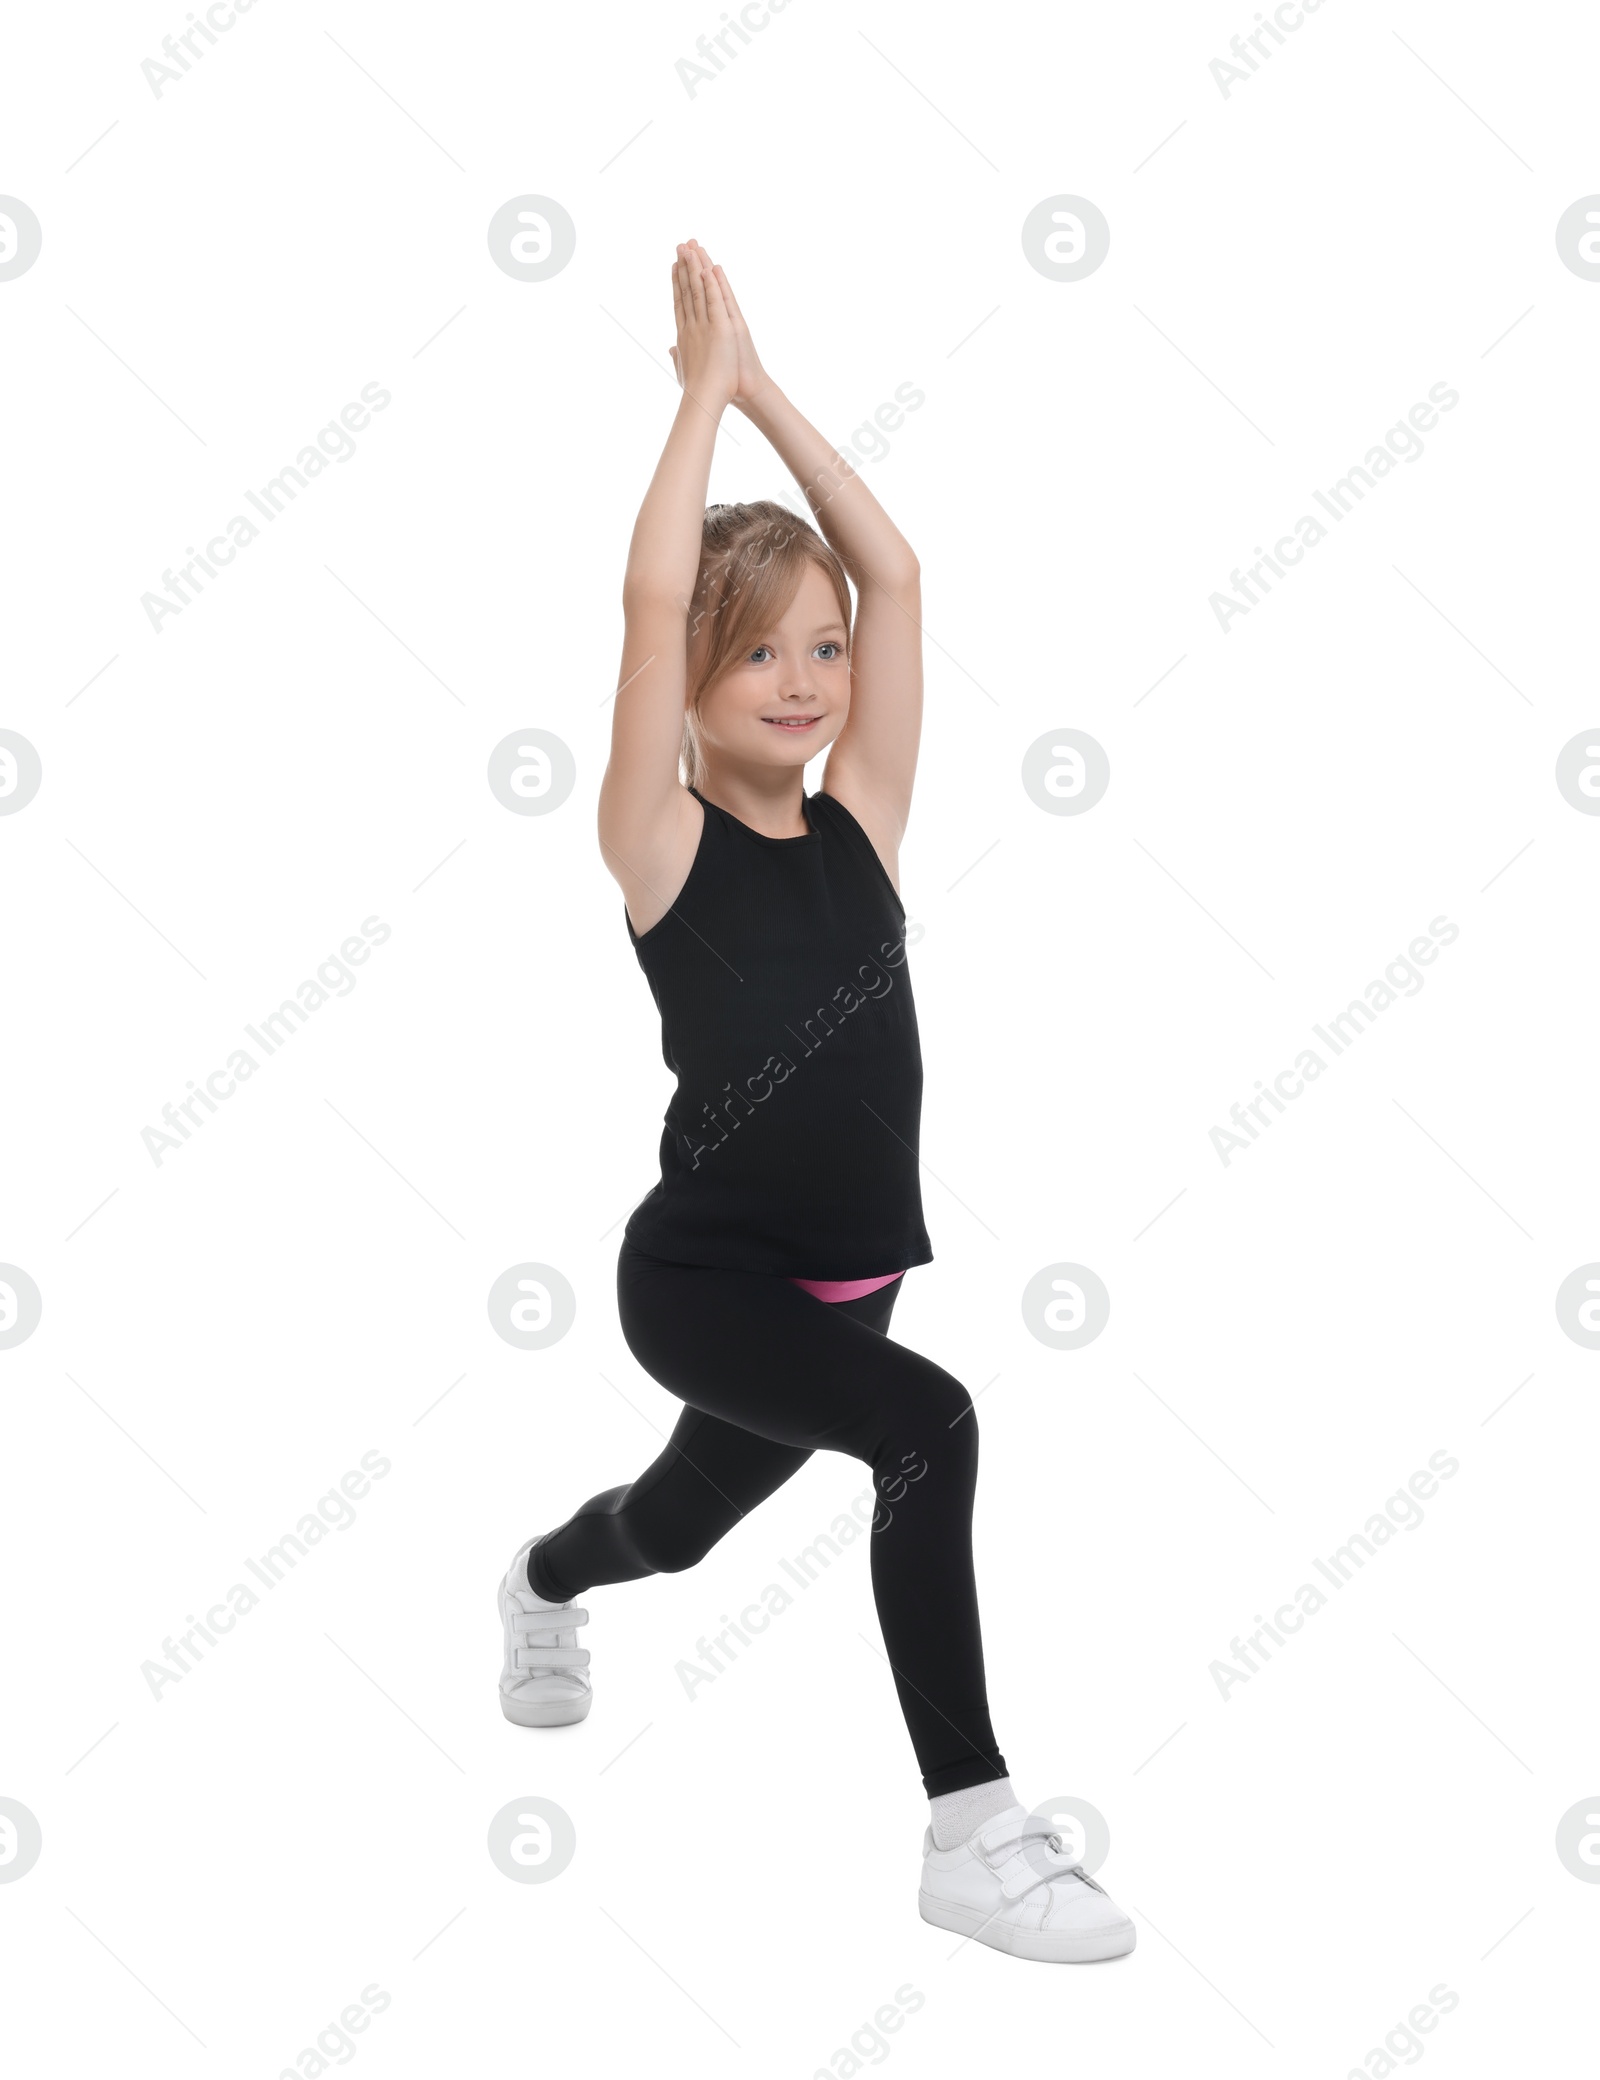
(771, 1374)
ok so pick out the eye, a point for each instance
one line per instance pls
(834, 647)
(755, 653)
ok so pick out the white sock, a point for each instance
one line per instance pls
(958, 1814)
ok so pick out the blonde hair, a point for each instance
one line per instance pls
(752, 558)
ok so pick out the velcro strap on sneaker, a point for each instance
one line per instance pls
(552, 1657)
(1003, 1828)
(549, 1621)
(1019, 1876)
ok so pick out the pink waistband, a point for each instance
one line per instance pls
(845, 1288)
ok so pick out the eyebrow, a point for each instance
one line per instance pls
(828, 628)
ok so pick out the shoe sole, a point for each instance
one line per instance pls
(1043, 1946)
(552, 1711)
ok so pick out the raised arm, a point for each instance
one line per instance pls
(646, 817)
(872, 763)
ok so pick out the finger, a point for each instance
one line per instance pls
(728, 295)
(696, 288)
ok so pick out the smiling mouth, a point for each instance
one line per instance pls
(791, 722)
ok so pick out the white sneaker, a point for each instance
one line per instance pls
(542, 1682)
(1013, 1885)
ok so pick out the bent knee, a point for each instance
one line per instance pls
(954, 1412)
(939, 1425)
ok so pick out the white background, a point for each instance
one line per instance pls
(224, 1334)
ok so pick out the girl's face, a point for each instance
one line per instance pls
(790, 693)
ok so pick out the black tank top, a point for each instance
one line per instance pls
(790, 1143)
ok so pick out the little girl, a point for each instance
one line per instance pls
(757, 1277)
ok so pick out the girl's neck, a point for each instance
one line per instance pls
(771, 804)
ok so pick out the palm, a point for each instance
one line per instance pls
(705, 358)
(752, 376)
(751, 373)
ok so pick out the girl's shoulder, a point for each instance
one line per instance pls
(867, 828)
